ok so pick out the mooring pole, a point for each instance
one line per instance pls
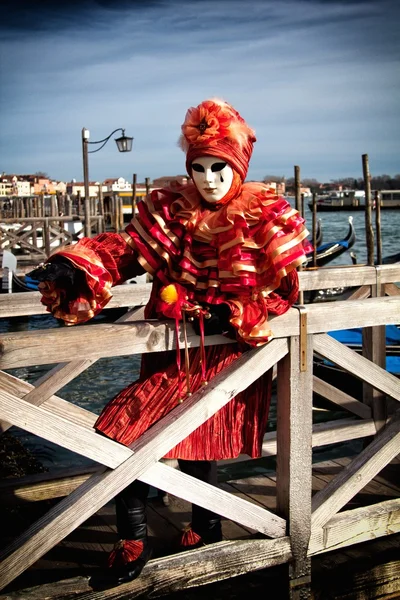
(368, 207)
(378, 227)
(297, 193)
(314, 228)
(134, 180)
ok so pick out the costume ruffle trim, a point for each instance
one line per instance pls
(90, 300)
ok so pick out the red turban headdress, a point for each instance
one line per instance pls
(215, 128)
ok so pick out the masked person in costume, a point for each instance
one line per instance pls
(219, 250)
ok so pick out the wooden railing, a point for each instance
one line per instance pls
(38, 236)
(302, 527)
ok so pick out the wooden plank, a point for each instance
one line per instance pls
(328, 391)
(327, 277)
(372, 492)
(63, 373)
(357, 474)
(374, 349)
(44, 486)
(215, 499)
(355, 526)
(391, 289)
(359, 366)
(294, 457)
(56, 405)
(51, 382)
(383, 477)
(361, 293)
(70, 512)
(329, 432)
(40, 421)
(28, 303)
(180, 571)
(59, 345)
(14, 305)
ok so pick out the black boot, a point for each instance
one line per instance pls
(205, 527)
(132, 551)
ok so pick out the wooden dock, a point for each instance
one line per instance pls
(75, 564)
(288, 517)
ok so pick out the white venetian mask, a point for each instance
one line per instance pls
(212, 176)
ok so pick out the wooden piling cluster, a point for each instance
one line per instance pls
(300, 528)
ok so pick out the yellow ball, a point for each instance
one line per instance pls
(169, 294)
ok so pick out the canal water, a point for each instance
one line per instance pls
(98, 384)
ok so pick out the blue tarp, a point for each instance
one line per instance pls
(353, 337)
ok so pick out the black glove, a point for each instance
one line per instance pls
(69, 279)
(218, 322)
(59, 268)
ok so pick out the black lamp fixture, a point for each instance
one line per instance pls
(124, 144)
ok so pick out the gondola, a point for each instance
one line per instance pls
(331, 250)
(319, 234)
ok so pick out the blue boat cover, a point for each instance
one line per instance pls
(354, 336)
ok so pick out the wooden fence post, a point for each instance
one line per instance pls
(298, 199)
(374, 348)
(378, 227)
(102, 224)
(314, 228)
(294, 457)
(134, 184)
(46, 235)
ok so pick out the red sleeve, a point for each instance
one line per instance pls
(104, 261)
(250, 314)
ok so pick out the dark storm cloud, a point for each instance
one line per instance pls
(43, 15)
(319, 80)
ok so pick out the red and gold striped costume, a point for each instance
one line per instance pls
(243, 254)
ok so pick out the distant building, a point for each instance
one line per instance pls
(117, 185)
(77, 188)
(14, 185)
(278, 186)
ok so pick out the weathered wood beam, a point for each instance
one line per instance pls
(391, 289)
(177, 572)
(16, 387)
(63, 373)
(333, 394)
(361, 293)
(363, 468)
(70, 512)
(59, 430)
(357, 525)
(346, 276)
(236, 509)
(134, 295)
(118, 339)
(44, 486)
(294, 457)
(359, 366)
(226, 559)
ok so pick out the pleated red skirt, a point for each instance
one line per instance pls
(237, 428)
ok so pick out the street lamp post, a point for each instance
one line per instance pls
(124, 144)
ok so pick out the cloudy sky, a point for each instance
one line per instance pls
(319, 80)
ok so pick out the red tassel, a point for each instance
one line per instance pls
(124, 552)
(189, 537)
